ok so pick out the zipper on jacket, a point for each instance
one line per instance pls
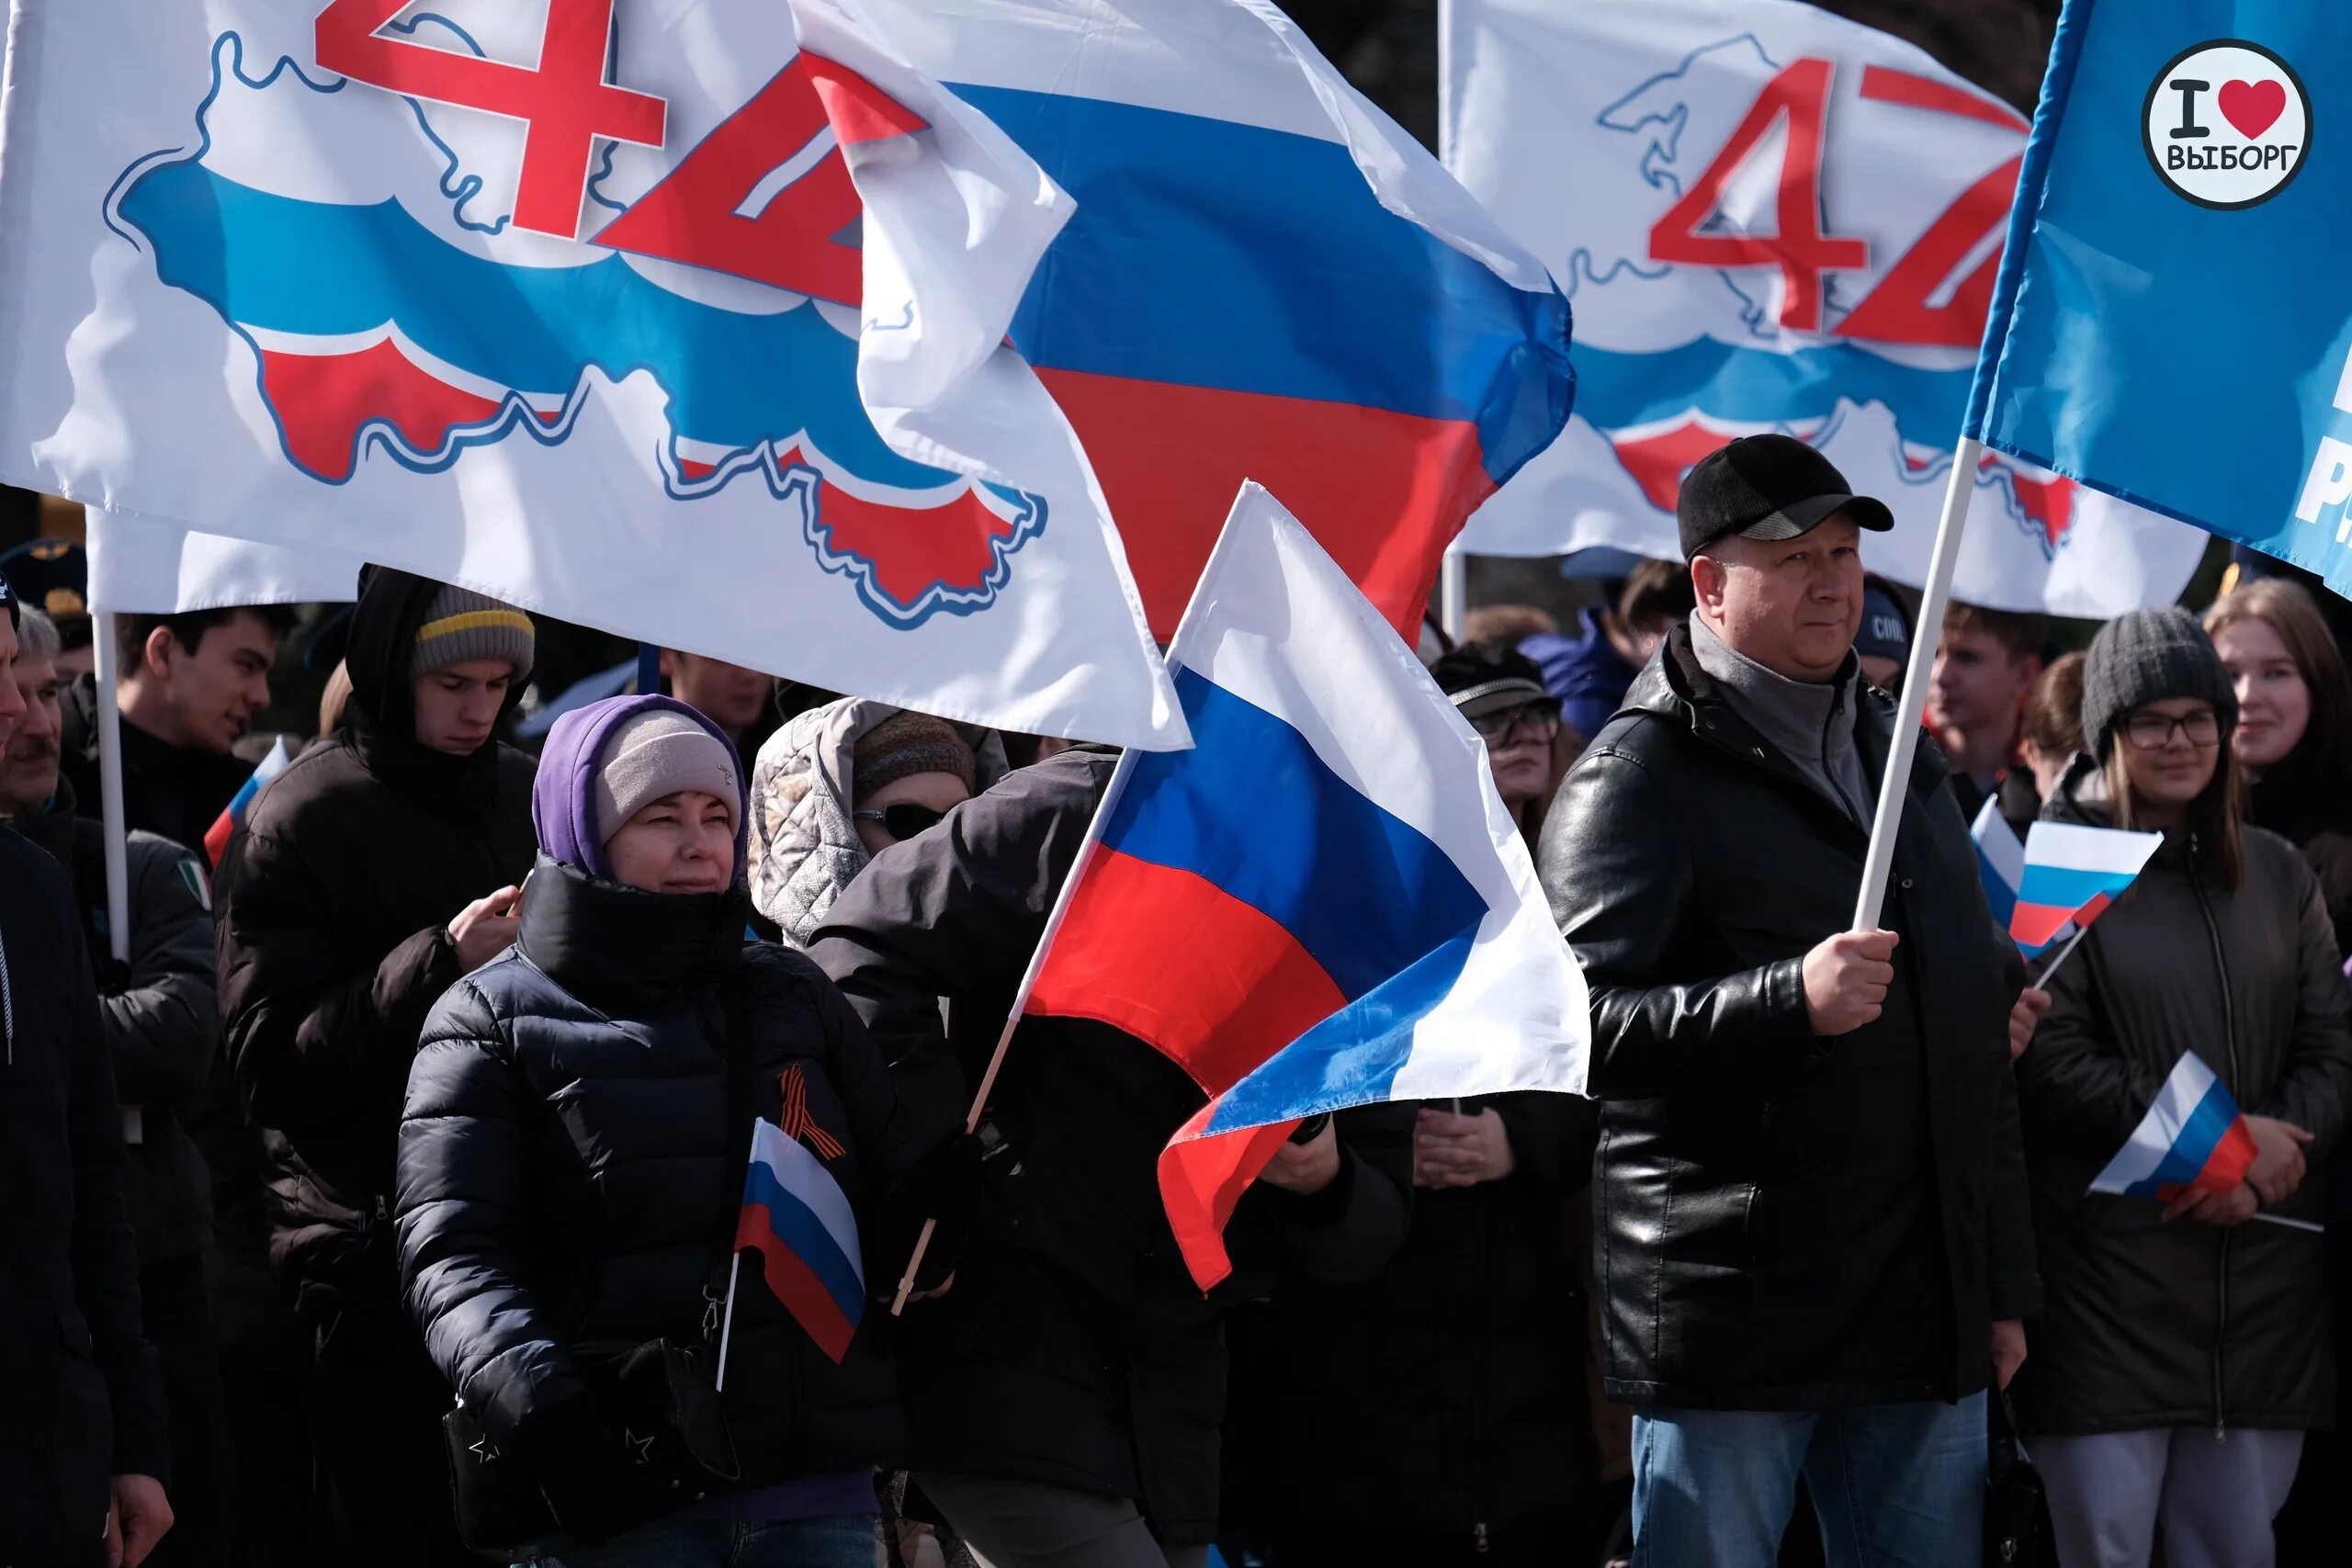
(1478, 1538)
(1828, 728)
(2230, 1044)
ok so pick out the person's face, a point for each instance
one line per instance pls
(214, 690)
(2274, 702)
(29, 763)
(1519, 749)
(1978, 685)
(1793, 605)
(728, 694)
(12, 700)
(679, 844)
(929, 796)
(2170, 750)
(456, 708)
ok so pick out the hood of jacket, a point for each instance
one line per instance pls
(379, 724)
(621, 948)
(805, 848)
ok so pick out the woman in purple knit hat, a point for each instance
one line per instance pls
(573, 1172)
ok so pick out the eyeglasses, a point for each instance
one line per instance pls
(1538, 721)
(2152, 731)
(903, 820)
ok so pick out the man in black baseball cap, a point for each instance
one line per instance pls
(1818, 1249)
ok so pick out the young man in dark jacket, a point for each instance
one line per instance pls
(1814, 1243)
(161, 1031)
(1066, 1395)
(188, 686)
(84, 1452)
(371, 876)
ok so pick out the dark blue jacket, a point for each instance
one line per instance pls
(1586, 673)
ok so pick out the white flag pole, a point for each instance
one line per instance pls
(117, 853)
(726, 1323)
(1454, 591)
(1905, 744)
(2064, 954)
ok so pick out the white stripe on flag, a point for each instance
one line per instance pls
(2153, 1139)
(804, 1176)
(2077, 848)
(1999, 843)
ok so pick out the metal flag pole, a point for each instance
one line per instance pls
(727, 1323)
(1454, 591)
(117, 853)
(1887, 820)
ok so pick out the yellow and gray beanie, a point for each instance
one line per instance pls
(462, 625)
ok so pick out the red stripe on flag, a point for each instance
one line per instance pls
(794, 1283)
(215, 837)
(2032, 925)
(1185, 967)
(1385, 492)
(2099, 905)
(2227, 1166)
(1201, 1179)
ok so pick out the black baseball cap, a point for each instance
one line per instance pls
(1768, 487)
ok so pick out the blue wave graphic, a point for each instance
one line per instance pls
(1758, 386)
(319, 269)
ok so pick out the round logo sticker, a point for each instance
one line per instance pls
(2227, 124)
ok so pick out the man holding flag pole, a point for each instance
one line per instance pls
(1814, 1243)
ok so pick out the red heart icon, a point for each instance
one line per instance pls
(2252, 107)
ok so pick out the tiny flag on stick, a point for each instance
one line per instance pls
(2071, 875)
(2193, 1137)
(798, 1220)
(232, 816)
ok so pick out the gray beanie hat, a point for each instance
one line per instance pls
(657, 752)
(462, 625)
(2146, 655)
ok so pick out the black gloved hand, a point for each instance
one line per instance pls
(945, 1187)
(582, 1465)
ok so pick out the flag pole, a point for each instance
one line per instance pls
(726, 1323)
(1960, 489)
(2064, 954)
(1111, 792)
(117, 853)
(1454, 591)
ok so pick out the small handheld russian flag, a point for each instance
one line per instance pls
(2071, 875)
(798, 1220)
(232, 816)
(2000, 859)
(2194, 1137)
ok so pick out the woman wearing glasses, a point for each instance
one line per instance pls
(2182, 1352)
(839, 785)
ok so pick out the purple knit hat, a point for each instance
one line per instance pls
(563, 796)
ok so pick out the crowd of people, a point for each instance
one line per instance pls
(380, 1202)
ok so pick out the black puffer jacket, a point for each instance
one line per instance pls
(332, 907)
(156, 1014)
(1445, 1395)
(571, 1173)
(1784, 1222)
(1074, 1349)
(82, 1401)
(2180, 1324)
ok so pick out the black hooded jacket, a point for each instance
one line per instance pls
(332, 907)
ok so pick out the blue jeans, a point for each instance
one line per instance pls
(835, 1540)
(1895, 1485)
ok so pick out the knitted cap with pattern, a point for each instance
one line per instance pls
(2146, 656)
(905, 744)
(462, 625)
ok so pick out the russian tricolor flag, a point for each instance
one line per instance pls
(2072, 873)
(1323, 904)
(232, 816)
(2193, 1136)
(798, 1220)
(2000, 859)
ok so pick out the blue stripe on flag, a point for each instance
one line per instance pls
(1352, 1058)
(1254, 811)
(798, 1227)
(2063, 887)
(1997, 891)
(2194, 1145)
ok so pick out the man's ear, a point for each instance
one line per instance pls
(157, 654)
(1707, 577)
(669, 665)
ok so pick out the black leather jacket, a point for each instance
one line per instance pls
(1784, 1222)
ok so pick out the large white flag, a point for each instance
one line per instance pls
(564, 299)
(137, 566)
(1768, 217)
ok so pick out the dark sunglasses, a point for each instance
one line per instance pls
(1540, 720)
(903, 820)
